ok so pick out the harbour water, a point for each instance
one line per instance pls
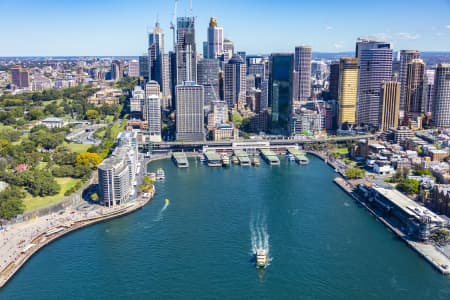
(200, 244)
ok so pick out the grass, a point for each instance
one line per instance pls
(342, 151)
(78, 148)
(65, 183)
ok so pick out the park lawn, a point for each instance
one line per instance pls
(76, 147)
(343, 151)
(65, 183)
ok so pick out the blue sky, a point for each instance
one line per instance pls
(102, 27)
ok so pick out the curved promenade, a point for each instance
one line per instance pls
(21, 241)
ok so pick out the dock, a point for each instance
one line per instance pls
(299, 156)
(180, 159)
(213, 159)
(243, 158)
(270, 157)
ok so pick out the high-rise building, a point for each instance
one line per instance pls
(280, 91)
(173, 75)
(375, 67)
(144, 67)
(152, 106)
(116, 70)
(155, 53)
(366, 44)
(390, 104)
(334, 80)
(208, 76)
(220, 112)
(302, 68)
(441, 100)
(235, 82)
(215, 40)
(428, 90)
(406, 56)
(137, 102)
(347, 90)
(186, 53)
(152, 88)
(133, 68)
(20, 77)
(264, 94)
(415, 75)
(189, 115)
(165, 86)
(228, 49)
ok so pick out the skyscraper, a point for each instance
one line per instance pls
(215, 40)
(390, 104)
(334, 80)
(235, 82)
(228, 49)
(375, 67)
(428, 90)
(415, 76)
(189, 115)
(347, 90)
(152, 106)
(165, 86)
(208, 76)
(406, 56)
(116, 70)
(302, 68)
(441, 101)
(155, 53)
(365, 44)
(173, 76)
(20, 77)
(133, 68)
(280, 91)
(144, 67)
(186, 53)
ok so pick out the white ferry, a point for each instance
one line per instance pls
(261, 258)
(160, 174)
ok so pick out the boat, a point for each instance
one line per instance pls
(166, 201)
(202, 157)
(160, 174)
(225, 159)
(290, 158)
(255, 161)
(261, 258)
(152, 175)
(234, 160)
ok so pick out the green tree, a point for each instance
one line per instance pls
(421, 171)
(92, 114)
(92, 160)
(35, 114)
(408, 186)
(354, 173)
(11, 203)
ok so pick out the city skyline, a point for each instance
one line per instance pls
(51, 28)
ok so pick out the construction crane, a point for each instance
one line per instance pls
(173, 22)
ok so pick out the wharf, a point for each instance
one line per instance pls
(300, 157)
(428, 251)
(243, 158)
(213, 159)
(180, 159)
(270, 157)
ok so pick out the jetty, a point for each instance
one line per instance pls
(242, 157)
(213, 158)
(270, 157)
(299, 156)
(180, 159)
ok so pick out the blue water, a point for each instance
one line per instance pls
(322, 245)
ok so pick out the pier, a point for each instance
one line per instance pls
(213, 158)
(270, 157)
(180, 159)
(299, 156)
(243, 158)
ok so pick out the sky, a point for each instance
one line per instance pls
(113, 27)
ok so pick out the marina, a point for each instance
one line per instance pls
(213, 158)
(299, 156)
(270, 157)
(180, 159)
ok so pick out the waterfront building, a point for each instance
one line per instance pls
(133, 68)
(215, 40)
(406, 56)
(347, 90)
(302, 68)
(413, 101)
(152, 107)
(116, 70)
(235, 82)
(186, 52)
(441, 100)
(375, 67)
(208, 76)
(333, 86)
(189, 115)
(224, 132)
(280, 91)
(20, 77)
(155, 53)
(219, 113)
(390, 104)
(307, 122)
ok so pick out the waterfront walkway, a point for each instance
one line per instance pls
(20, 241)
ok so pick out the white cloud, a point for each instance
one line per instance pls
(329, 28)
(448, 26)
(338, 45)
(408, 36)
(381, 36)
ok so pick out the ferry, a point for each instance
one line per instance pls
(290, 158)
(261, 258)
(255, 161)
(160, 174)
(201, 157)
(225, 159)
(166, 201)
(234, 160)
(152, 175)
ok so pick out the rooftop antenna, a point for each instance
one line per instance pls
(172, 23)
(190, 8)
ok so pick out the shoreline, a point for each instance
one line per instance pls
(43, 239)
